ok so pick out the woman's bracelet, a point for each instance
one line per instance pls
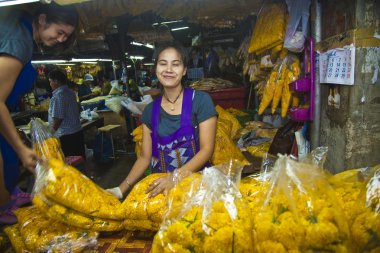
(128, 183)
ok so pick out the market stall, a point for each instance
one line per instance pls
(264, 189)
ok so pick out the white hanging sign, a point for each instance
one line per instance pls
(337, 66)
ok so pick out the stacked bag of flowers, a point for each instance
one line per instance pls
(214, 219)
(65, 194)
(295, 209)
(144, 213)
(34, 232)
(358, 191)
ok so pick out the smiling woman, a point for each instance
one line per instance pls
(53, 25)
(178, 127)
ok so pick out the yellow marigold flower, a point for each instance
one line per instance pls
(178, 233)
(365, 228)
(175, 248)
(320, 234)
(198, 235)
(271, 246)
(217, 220)
(288, 232)
(264, 226)
(220, 241)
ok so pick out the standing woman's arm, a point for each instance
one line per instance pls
(10, 68)
(142, 163)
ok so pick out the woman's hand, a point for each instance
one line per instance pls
(28, 158)
(159, 185)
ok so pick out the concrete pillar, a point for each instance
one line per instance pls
(352, 132)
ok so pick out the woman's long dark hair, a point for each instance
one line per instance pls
(60, 14)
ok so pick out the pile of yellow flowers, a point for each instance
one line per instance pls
(36, 233)
(295, 211)
(214, 219)
(227, 116)
(141, 212)
(63, 193)
(363, 221)
(236, 112)
(49, 148)
(225, 149)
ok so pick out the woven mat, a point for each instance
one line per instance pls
(137, 242)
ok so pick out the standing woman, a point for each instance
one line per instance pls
(179, 127)
(52, 26)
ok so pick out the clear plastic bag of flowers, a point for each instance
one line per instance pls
(143, 212)
(215, 218)
(254, 187)
(358, 191)
(65, 185)
(35, 232)
(300, 212)
(45, 144)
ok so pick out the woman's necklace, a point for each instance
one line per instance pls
(40, 48)
(175, 100)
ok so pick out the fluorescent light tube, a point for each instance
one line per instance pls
(136, 43)
(136, 57)
(49, 61)
(141, 44)
(149, 45)
(180, 28)
(15, 2)
(168, 22)
(82, 60)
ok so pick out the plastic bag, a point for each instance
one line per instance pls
(36, 233)
(89, 114)
(277, 89)
(45, 144)
(70, 188)
(58, 212)
(137, 107)
(300, 212)
(297, 28)
(14, 236)
(144, 213)
(214, 219)
(141, 212)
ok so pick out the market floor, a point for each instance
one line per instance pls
(111, 174)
